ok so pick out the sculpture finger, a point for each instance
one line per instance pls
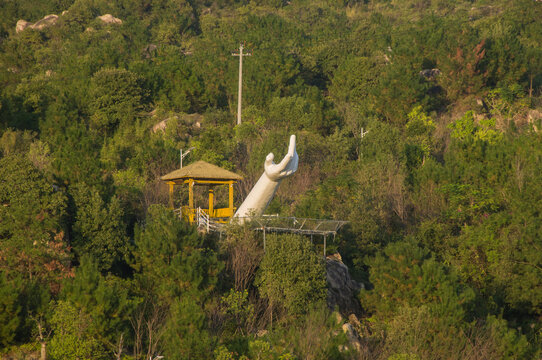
(284, 163)
(286, 173)
(291, 147)
(268, 161)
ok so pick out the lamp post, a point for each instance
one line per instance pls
(183, 155)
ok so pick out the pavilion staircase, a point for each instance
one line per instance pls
(205, 223)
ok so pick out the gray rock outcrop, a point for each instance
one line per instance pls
(110, 19)
(352, 336)
(47, 21)
(342, 289)
(162, 125)
(191, 120)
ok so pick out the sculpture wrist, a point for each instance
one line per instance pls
(259, 197)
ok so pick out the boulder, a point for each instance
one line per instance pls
(110, 19)
(342, 290)
(45, 22)
(190, 120)
(352, 336)
(161, 126)
(534, 117)
(21, 25)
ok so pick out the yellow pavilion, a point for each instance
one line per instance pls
(202, 173)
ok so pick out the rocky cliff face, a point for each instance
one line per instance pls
(342, 289)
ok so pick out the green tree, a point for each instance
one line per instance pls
(407, 337)
(503, 65)
(183, 92)
(186, 335)
(117, 98)
(104, 299)
(419, 129)
(172, 256)
(292, 274)
(177, 271)
(15, 142)
(295, 113)
(407, 275)
(74, 336)
(467, 131)
(495, 255)
(10, 310)
(238, 313)
(99, 229)
(175, 28)
(32, 225)
(291, 341)
(353, 85)
(463, 69)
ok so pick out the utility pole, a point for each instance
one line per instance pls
(240, 54)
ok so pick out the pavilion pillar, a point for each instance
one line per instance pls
(171, 188)
(191, 200)
(211, 201)
(230, 198)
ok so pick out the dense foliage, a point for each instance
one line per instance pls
(418, 121)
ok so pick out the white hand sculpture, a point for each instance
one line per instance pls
(262, 193)
(286, 167)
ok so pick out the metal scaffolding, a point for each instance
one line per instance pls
(279, 224)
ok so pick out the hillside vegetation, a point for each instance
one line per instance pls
(418, 121)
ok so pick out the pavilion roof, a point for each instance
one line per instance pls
(201, 170)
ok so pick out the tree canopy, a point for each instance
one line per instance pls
(418, 121)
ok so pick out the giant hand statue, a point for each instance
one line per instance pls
(261, 194)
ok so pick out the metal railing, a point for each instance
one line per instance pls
(291, 224)
(269, 223)
(203, 221)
